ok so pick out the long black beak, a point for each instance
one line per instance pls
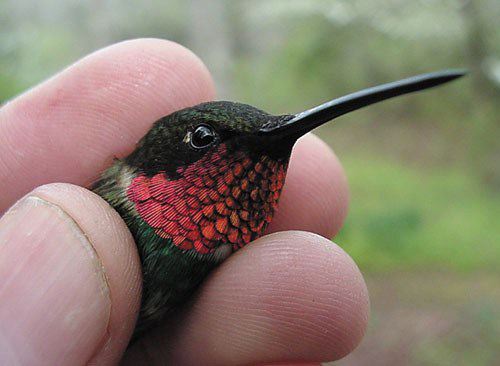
(305, 121)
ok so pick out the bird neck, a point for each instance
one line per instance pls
(217, 204)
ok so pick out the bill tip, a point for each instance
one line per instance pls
(455, 73)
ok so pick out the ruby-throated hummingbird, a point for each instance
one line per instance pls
(206, 180)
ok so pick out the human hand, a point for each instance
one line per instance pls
(70, 277)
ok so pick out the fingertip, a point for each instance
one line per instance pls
(116, 249)
(53, 288)
(287, 297)
(105, 327)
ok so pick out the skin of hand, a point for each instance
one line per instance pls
(70, 275)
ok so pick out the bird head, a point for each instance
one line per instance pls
(209, 177)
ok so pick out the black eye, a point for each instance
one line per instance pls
(203, 136)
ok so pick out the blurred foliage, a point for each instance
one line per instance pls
(431, 318)
(403, 218)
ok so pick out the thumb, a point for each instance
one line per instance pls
(69, 280)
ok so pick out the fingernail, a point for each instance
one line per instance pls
(54, 298)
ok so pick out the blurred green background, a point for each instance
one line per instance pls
(424, 170)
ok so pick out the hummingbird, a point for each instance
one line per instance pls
(205, 181)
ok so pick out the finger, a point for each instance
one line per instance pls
(71, 282)
(288, 297)
(315, 196)
(69, 128)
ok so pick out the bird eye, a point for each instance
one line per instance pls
(203, 136)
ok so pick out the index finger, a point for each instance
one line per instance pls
(68, 128)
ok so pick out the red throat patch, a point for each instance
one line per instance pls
(220, 199)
